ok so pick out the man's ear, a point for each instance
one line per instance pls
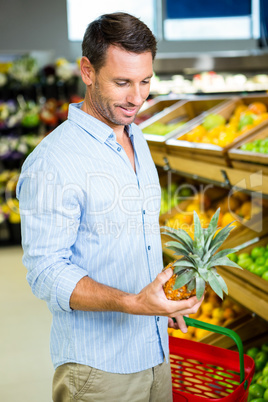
(87, 70)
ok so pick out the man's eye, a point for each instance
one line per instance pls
(120, 84)
(146, 82)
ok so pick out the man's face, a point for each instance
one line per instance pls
(121, 86)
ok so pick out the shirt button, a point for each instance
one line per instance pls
(144, 212)
(158, 318)
(118, 149)
(149, 247)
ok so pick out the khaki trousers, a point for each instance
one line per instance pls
(76, 382)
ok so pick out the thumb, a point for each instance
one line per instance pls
(164, 276)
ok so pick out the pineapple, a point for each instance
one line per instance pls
(197, 266)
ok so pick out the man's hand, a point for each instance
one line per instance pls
(152, 301)
(178, 324)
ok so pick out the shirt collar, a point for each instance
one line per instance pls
(90, 124)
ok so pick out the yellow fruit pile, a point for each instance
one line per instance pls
(214, 311)
(243, 119)
(236, 208)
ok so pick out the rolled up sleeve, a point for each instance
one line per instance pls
(50, 212)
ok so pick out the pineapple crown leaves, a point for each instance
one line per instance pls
(217, 283)
(185, 277)
(199, 238)
(200, 256)
(180, 235)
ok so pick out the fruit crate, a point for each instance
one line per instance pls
(242, 325)
(257, 227)
(247, 160)
(154, 106)
(210, 152)
(247, 276)
(182, 111)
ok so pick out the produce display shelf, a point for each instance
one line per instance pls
(210, 152)
(247, 160)
(220, 175)
(185, 111)
(248, 276)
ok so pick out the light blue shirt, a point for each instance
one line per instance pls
(84, 211)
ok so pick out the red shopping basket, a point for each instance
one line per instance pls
(202, 372)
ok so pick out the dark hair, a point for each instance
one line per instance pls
(119, 29)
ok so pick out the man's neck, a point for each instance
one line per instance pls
(88, 108)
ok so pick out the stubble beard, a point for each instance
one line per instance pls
(102, 108)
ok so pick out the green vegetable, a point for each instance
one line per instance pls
(252, 352)
(261, 360)
(30, 120)
(256, 390)
(246, 120)
(213, 120)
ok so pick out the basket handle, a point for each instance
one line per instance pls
(224, 331)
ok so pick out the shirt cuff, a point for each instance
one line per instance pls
(67, 281)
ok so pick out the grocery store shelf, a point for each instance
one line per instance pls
(220, 175)
(245, 293)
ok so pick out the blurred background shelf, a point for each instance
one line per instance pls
(221, 175)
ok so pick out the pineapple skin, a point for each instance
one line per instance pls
(176, 294)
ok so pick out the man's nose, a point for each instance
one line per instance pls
(135, 96)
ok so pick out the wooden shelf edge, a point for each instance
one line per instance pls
(223, 175)
(246, 294)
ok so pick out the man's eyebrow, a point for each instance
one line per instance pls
(128, 80)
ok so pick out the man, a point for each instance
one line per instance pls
(89, 199)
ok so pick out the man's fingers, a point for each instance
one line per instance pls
(181, 324)
(186, 307)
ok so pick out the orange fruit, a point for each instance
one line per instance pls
(227, 218)
(257, 107)
(196, 134)
(246, 209)
(187, 218)
(193, 207)
(228, 313)
(202, 200)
